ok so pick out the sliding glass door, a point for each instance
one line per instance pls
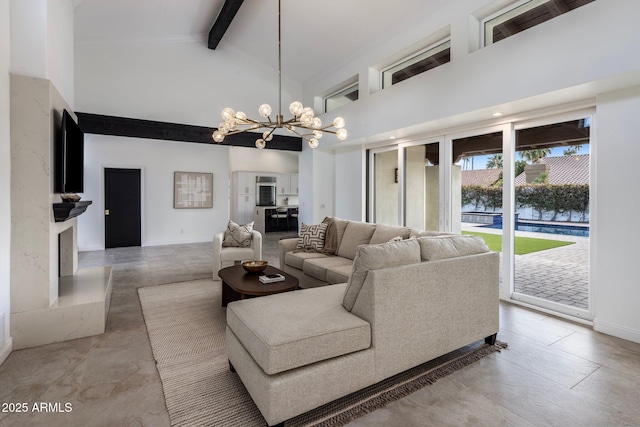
(551, 187)
(521, 186)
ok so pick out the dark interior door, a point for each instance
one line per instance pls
(122, 215)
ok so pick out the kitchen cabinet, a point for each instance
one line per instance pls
(244, 182)
(287, 184)
(243, 196)
(245, 204)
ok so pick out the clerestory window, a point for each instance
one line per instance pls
(432, 57)
(523, 15)
(340, 98)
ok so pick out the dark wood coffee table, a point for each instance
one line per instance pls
(237, 284)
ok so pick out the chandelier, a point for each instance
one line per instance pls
(304, 123)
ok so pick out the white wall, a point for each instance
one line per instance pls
(158, 160)
(562, 57)
(614, 222)
(316, 184)
(182, 82)
(42, 39)
(173, 82)
(561, 61)
(251, 159)
(5, 182)
(350, 191)
(59, 44)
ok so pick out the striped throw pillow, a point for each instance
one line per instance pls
(312, 237)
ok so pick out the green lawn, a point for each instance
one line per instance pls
(524, 245)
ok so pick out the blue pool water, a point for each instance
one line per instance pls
(567, 230)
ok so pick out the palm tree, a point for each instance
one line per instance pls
(534, 155)
(572, 151)
(494, 162)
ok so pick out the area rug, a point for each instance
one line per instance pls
(186, 329)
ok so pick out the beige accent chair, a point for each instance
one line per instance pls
(224, 254)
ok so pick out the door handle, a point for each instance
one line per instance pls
(106, 211)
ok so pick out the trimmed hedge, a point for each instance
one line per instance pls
(557, 199)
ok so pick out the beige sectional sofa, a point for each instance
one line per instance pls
(335, 265)
(402, 303)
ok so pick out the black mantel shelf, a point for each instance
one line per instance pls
(67, 210)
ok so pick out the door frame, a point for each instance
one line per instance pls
(142, 200)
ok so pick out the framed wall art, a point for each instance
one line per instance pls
(192, 190)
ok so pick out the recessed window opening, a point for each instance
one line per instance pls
(430, 58)
(342, 97)
(523, 15)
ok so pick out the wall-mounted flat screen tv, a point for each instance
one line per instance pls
(69, 157)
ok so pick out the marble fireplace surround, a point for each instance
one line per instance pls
(51, 300)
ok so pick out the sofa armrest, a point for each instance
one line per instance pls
(421, 311)
(256, 243)
(286, 245)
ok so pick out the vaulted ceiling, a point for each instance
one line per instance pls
(317, 35)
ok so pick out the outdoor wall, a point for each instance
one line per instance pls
(5, 183)
(615, 235)
(158, 160)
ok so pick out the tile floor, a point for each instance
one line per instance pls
(554, 373)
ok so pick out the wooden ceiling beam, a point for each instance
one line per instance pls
(98, 124)
(557, 7)
(228, 12)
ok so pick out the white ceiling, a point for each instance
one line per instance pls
(317, 35)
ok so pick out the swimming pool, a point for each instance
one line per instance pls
(567, 230)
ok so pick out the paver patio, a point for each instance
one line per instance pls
(560, 274)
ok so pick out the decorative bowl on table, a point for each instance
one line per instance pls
(254, 267)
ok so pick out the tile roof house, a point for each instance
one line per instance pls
(563, 170)
(481, 177)
(560, 169)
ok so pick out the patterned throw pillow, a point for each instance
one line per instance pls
(312, 237)
(238, 236)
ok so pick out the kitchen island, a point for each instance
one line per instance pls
(263, 222)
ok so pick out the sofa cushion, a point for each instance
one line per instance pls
(317, 267)
(341, 226)
(375, 257)
(296, 259)
(339, 274)
(330, 237)
(422, 233)
(293, 329)
(450, 246)
(384, 233)
(356, 234)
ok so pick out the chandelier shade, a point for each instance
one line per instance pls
(303, 123)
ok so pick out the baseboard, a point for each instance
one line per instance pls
(6, 350)
(617, 330)
(90, 248)
(177, 242)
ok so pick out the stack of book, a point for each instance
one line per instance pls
(271, 278)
